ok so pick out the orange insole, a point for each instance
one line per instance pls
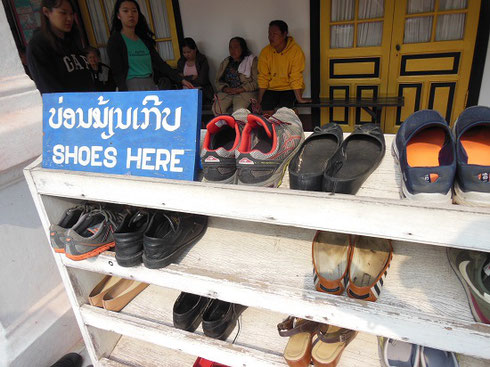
(476, 143)
(423, 149)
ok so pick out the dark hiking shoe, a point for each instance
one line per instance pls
(69, 219)
(220, 143)
(358, 156)
(92, 234)
(168, 235)
(129, 239)
(307, 166)
(472, 134)
(267, 146)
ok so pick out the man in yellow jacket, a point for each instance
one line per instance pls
(281, 65)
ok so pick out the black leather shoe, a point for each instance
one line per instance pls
(220, 318)
(188, 310)
(168, 235)
(129, 239)
(307, 166)
(358, 156)
(69, 360)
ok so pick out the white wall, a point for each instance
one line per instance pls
(484, 99)
(221, 20)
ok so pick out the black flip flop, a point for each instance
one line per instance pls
(307, 166)
(358, 156)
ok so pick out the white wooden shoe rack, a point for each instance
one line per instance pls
(257, 252)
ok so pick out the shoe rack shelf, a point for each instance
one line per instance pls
(257, 252)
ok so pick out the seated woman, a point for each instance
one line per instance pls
(54, 56)
(135, 63)
(281, 65)
(100, 72)
(193, 66)
(236, 80)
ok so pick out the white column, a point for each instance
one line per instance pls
(37, 325)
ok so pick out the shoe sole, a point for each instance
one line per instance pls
(469, 296)
(92, 253)
(422, 197)
(59, 250)
(161, 263)
(470, 198)
(128, 261)
(229, 181)
(276, 179)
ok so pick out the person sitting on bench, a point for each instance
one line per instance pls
(236, 80)
(281, 65)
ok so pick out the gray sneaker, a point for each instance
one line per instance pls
(92, 234)
(69, 218)
(220, 143)
(473, 271)
(396, 353)
(267, 146)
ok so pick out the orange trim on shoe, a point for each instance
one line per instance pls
(59, 250)
(92, 253)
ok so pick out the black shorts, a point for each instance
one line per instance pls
(276, 99)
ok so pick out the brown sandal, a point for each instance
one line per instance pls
(328, 344)
(298, 350)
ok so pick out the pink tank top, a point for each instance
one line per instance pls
(190, 70)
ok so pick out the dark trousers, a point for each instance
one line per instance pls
(276, 99)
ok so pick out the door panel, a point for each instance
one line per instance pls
(431, 56)
(419, 49)
(355, 43)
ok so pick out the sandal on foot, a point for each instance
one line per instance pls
(298, 350)
(329, 343)
(331, 253)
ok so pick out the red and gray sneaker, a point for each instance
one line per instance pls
(220, 143)
(69, 219)
(92, 234)
(267, 146)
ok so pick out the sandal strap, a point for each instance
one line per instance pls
(289, 327)
(340, 336)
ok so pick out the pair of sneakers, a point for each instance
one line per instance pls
(396, 353)
(432, 158)
(85, 231)
(251, 149)
(357, 264)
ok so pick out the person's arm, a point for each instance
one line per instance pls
(221, 85)
(203, 73)
(41, 67)
(296, 75)
(117, 55)
(264, 74)
(164, 69)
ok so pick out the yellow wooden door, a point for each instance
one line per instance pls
(355, 50)
(431, 55)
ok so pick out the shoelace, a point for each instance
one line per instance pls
(113, 218)
(275, 121)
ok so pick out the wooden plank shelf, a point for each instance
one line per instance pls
(376, 210)
(270, 267)
(149, 339)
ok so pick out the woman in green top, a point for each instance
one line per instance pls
(135, 63)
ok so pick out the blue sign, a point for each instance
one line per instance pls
(154, 134)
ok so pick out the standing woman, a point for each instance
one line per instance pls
(54, 55)
(135, 63)
(193, 66)
(236, 80)
(281, 65)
